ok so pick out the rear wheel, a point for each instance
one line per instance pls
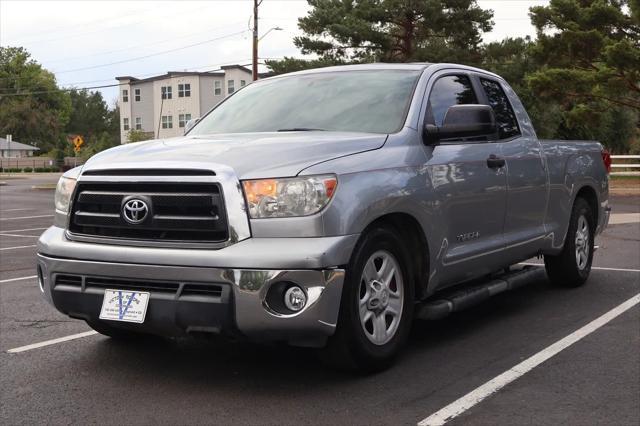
(572, 266)
(376, 307)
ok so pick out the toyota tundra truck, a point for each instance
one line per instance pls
(326, 208)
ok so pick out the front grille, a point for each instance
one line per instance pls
(176, 288)
(189, 212)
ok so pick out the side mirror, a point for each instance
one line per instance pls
(190, 124)
(463, 121)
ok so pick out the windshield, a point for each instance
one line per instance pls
(353, 101)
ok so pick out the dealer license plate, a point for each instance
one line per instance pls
(124, 305)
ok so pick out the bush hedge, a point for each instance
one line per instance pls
(28, 169)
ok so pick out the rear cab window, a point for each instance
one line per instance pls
(505, 117)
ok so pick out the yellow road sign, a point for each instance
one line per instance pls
(76, 149)
(77, 142)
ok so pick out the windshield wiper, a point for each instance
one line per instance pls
(300, 129)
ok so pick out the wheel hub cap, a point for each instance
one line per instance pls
(381, 297)
(582, 243)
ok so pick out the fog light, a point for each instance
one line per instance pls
(295, 298)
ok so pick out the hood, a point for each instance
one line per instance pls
(250, 155)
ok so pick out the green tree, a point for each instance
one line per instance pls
(89, 113)
(138, 136)
(341, 31)
(91, 117)
(32, 108)
(590, 50)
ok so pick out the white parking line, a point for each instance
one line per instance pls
(494, 385)
(52, 342)
(620, 218)
(15, 210)
(3, 234)
(26, 217)
(16, 247)
(24, 230)
(18, 279)
(598, 268)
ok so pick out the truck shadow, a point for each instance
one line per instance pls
(220, 362)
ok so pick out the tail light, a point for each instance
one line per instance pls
(606, 159)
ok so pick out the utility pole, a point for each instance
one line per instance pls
(254, 70)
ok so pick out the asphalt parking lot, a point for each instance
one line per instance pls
(93, 380)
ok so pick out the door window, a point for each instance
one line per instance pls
(505, 117)
(448, 91)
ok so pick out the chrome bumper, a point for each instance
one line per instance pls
(252, 317)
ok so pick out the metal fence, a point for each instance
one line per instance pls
(27, 163)
(625, 165)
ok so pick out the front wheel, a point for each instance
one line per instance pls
(572, 266)
(377, 305)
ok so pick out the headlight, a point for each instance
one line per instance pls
(299, 196)
(64, 190)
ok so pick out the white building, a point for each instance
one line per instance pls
(16, 149)
(162, 105)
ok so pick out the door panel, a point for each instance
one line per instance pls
(472, 201)
(526, 195)
(526, 176)
(470, 195)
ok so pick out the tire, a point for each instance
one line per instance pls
(572, 266)
(375, 316)
(113, 332)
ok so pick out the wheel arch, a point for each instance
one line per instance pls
(589, 194)
(410, 230)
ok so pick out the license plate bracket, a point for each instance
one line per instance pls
(124, 305)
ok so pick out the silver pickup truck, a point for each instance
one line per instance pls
(325, 208)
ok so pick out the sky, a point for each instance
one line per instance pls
(89, 43)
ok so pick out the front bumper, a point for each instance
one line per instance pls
(242, 310)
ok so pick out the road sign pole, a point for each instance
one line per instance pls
(9, 154)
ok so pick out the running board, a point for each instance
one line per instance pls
(462, 299)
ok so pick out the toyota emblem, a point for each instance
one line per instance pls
(135, 211)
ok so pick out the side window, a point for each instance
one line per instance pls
(448, 91)
(505, 117)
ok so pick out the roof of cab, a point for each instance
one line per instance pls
(411, 66)
(417, 66)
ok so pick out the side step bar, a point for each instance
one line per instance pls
(462, 299)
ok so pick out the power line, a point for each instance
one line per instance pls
(104, 86)
(53, 30)
(101, 30)
(140, 45)
(150, 55)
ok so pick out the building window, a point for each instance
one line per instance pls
(217, 88)
(230, 86)
(165, 91)
(125, 124)
(167, 122)
(184, 90)
(136, 93)
(243, 83)
(183, 119)
(138, 123)
(125, 96)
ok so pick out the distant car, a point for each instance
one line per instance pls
(323, 208)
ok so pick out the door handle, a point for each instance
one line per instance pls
(495, 162)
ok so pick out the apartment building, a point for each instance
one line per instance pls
(162, 105)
